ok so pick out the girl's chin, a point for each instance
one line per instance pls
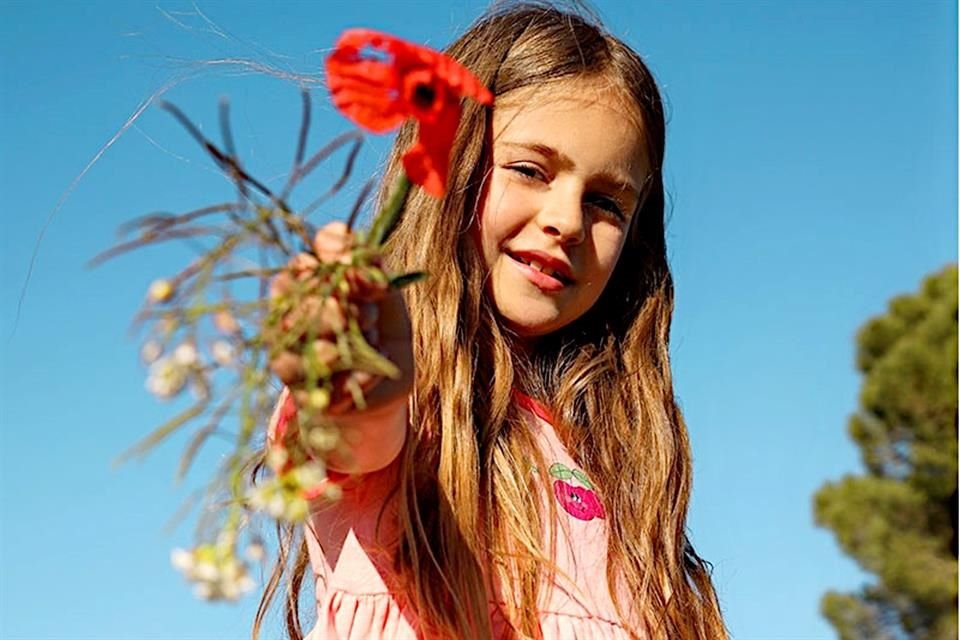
(529, 325)
(524, 309)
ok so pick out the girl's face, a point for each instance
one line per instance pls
(569, 165)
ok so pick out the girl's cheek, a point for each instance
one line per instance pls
(609, 244)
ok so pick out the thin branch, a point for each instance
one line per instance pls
(186, 460)
(160, 433)
(163, 219)
(342, 180)
(227, 136)
(250, 273)
(358, 204)
(223, 160)
(302, 138)
(151, 237)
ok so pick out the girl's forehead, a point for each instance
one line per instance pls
(571, 94)
(591, 117)
(586, 90)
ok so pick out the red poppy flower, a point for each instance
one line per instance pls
(378, 81)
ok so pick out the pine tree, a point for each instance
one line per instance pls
(899, 520)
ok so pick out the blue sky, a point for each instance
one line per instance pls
(811, 168)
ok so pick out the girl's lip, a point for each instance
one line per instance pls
(560, 267)
(538, 278)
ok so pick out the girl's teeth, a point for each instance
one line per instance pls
(544, 270)
(539, 267)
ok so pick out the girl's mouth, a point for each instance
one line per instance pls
(543, 277)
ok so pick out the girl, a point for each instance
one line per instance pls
(530, 475)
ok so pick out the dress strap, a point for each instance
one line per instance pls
(533, 406)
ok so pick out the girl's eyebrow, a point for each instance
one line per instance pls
(617, 183)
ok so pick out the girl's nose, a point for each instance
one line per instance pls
(562, 217)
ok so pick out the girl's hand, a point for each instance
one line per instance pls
(383, 318)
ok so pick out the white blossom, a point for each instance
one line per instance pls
(324, 438)
(185, 354)
(277, 506)
(277, 457)
(246, 583)
(223, 352)
(150, 351)
(160, 291)
(200, 388)
(332, 491)
(255, 552)
(225, 322)
(203, 590)
(206, 571)
(216, 573)
(182, 559)
(166, 378)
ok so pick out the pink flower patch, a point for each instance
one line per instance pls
(579, 502)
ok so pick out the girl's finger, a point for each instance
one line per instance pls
(281, 284)
(342, 400)
(322, 317)
(303, 265)
(332, 243)
(364, 286)
(300, 267)
(288, 366)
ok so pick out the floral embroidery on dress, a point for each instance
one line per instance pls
(581, 502)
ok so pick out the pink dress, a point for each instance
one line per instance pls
(352, 565)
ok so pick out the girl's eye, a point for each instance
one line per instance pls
(609, 205)
(527, 171)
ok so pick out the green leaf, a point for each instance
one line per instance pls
(387, 218)
(406, 279)
(191, 451)
(560, 471)
(161, 432)
(582, 477)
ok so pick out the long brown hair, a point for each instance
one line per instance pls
(467, 515)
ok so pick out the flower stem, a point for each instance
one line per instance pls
(386, 220)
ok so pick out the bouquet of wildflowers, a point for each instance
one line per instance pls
(305, 322)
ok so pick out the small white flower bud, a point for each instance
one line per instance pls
(255, 552)
(296, 510)
(319, 399)
(160, 291)
(257, 499)
(277, 506)
(203, 591)
(230, 590)
(246, 584)
(185, 354)
(323, 438)
(150, 351)
(206, 571)
(332, 491)
(223, 352)
(277, 457)
(181, 559)
(225, 322)
(200, 389)
(165, 379)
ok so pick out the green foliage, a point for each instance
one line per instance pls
(899, 521)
